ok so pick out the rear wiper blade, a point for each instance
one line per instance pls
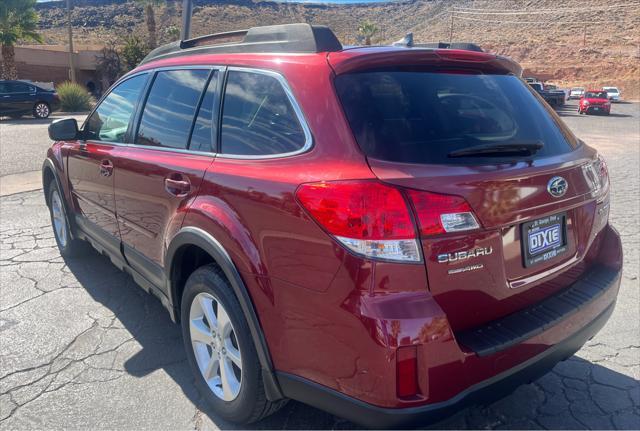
(497, 150)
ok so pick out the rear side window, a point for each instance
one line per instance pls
(258, 118)
(171, 107)
(421, 117)
(110, 121)
(18, 87)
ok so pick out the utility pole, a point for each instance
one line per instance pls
(72, 70)
(187, 9)
(451, 28)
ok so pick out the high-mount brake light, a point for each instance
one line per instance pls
(369, 218)
(438, 213)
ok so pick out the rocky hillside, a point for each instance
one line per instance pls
(580, 42)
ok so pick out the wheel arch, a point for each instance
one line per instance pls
(188, 238)
(49, 175)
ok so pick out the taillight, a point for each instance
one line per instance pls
(601, 180)
(368, 217)
(437, 213)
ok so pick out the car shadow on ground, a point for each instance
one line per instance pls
(161, 348)
(27, 120)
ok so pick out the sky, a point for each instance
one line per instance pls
(302, 1)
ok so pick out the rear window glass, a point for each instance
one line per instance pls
(596, 95)
(421, 117)
(258, 118)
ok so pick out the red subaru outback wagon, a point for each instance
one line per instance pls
(385, 233)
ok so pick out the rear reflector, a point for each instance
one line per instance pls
(437, 213)
(368, 217)
(407, 371)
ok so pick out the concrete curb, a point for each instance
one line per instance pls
(19, 183)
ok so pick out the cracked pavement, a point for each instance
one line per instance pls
(82, 347)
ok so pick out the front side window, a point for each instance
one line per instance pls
(258, 118)
(170, 108)
(110, 121)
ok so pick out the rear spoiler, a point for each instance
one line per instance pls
(389, 57)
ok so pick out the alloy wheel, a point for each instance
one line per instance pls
(42, 110)
(215, 346)
(59, 222)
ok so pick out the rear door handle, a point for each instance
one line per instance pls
(177, 185)
(106, 168)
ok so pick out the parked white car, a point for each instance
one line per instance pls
(613, 93)
(576, 92)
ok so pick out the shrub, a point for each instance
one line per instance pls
(74, 97)
(133, 51)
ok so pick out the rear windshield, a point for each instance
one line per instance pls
(596, 95)
(421, 117)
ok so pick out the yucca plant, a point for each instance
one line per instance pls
(367, 30)
(74, 97)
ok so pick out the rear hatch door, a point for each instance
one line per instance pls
(531, 185)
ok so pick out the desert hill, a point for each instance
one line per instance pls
(574, 42)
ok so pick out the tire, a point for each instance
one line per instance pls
(68, 246)
(207, 292)
(41, 110)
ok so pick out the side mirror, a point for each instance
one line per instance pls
(65, 129)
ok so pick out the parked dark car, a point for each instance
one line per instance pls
(552, 97)
(385, 233)
(18, 98)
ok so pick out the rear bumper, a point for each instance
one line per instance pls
(482, 393)
(54, 104)
(486, 372)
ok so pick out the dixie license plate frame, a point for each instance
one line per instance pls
(544, 239)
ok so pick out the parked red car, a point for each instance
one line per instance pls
(385, 233)
(594, 102)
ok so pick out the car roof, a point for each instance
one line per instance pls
(307, 42)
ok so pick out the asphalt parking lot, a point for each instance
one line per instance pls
(82, 347)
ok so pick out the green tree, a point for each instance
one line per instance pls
(367, 30)
(108, 65)
(18, 21)
(132, 52)
(150, 20)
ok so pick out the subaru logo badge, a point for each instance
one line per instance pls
(557, 187)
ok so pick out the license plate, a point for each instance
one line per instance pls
(544, 239)
(596, 109)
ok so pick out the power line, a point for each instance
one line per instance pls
(501, 21)
(541, 11)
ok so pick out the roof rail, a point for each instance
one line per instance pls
(407, 41)
(466, 46)
(285, 38)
